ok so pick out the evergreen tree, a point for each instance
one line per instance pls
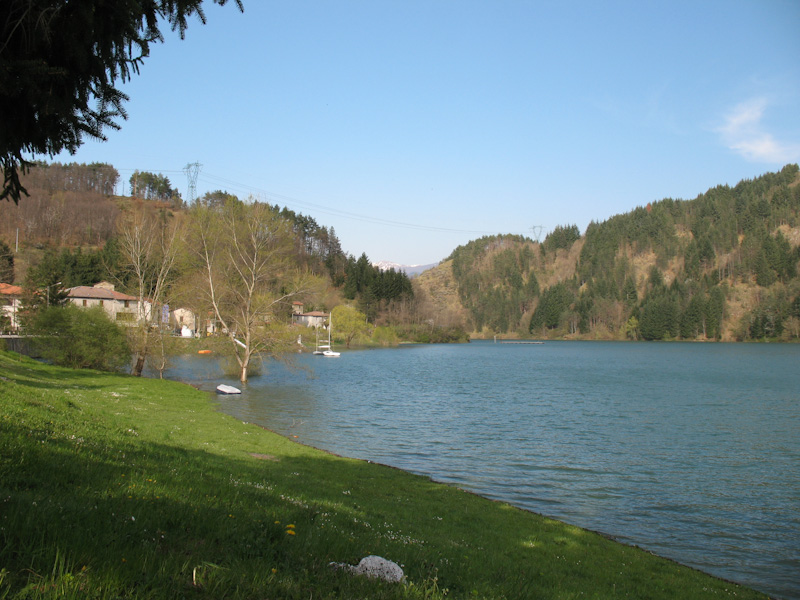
(62, 63)
(351, 279)
(715, 308)
(152, 187)
(6, 263)
(554, 302)
(562, 237)
(691, 260)
(692, 319)
(44, 283)
(368, 304)
(629, 293)
(765, 275)
(757, 330)
(659, 318)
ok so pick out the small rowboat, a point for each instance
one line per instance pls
(227, 389)
(204, 351)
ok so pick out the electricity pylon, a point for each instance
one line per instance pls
(192, 170)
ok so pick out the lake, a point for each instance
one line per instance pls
(689, 450)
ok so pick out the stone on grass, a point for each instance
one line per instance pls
(374, 566)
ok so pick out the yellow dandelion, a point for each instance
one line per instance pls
(290, 526)
(290, 532)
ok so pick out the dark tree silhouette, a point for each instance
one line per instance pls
(61, 65)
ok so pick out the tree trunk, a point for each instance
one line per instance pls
(243, 375)
(138, 367)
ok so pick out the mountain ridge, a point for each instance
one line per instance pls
(722, 266)
(410, 270)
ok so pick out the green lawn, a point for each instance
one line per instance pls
(117, 487)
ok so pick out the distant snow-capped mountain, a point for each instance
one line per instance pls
(410, 270)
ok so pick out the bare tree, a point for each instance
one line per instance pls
(149, 244)
(244, 259)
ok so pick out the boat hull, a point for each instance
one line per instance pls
(227, 389)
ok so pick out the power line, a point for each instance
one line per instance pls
(295, 203)
(291, 202)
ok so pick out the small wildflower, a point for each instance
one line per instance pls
(290, 532)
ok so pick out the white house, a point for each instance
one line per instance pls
(10, 302)
(120, 307)
(315, 318)
(184, 318)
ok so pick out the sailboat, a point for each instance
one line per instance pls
(319, 350)
(327, 349)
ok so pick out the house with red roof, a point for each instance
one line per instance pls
(10, 303)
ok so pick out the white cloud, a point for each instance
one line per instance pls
(744, 133)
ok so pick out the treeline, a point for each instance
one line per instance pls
(496, 279)
(154, 186)
(317, 245)
(374, 288)
(726, 227)
(314, 248)
(94, 178)
(720, 266)
(68, 205)
(76, 230)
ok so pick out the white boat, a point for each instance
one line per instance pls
(319, 350)
(327, 349)
(227, 389)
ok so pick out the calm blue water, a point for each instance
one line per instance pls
(689, 450)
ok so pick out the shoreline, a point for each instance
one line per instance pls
(158, 459)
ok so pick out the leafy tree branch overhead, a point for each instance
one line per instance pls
(60, 65)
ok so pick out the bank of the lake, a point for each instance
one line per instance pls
(116, 487)
(688, 450)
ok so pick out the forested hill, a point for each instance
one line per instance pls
(721, 266)
(67, 231)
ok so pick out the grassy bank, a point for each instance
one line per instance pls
(116, 487)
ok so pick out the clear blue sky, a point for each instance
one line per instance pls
(415, 126)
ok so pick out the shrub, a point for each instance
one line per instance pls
(79, 338)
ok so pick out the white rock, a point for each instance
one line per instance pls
(375, 566)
